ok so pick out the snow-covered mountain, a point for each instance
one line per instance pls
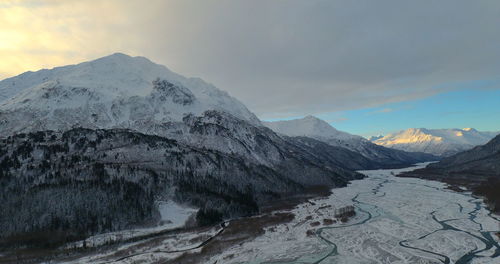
(110, 136)
(441, 142)
(312, 127)
(117, 91)
(316, 128)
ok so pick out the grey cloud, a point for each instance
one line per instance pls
(291, 58)
(299, 57)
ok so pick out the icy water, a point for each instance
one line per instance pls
(399, 220)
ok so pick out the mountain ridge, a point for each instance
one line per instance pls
(316, 128)
(441, 142)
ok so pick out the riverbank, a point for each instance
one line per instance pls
(479, 185)
(184, 245)
(404, 220)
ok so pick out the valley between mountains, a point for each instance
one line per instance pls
(120, 160)
(398, 220)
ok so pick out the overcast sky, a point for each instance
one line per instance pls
(281, 58)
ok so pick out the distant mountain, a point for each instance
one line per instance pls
(313, 127)
(477, 168)
(316, 128)
(441, 142)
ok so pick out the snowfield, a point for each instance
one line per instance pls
(172, 216)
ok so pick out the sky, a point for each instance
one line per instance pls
(367, 67)
(456, 109)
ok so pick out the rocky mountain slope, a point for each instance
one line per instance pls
(87, 181)
(316, 128)
(477, 168)
(441, 142)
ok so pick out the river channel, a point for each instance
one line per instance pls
(398, 220)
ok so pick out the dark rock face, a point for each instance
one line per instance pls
(478, 169)
(179, 94)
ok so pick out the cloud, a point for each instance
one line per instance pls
(281, 58)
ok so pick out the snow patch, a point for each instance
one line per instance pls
(174, 215)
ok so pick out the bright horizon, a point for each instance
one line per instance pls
(457, 113)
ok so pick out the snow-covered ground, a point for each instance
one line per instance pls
(153, 250)
(399, 220)
(173, 215)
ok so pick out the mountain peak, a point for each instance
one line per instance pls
(416, 130)
(310, 126)
(314, 121)
(311, 117)
(443, 142)
(119, 54)
(113, 91)
(119, 57)
(114, 74)
(116, 55)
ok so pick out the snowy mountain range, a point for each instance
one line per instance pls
(112, 135)
(316, 128)
(127, 131)
(441, 142)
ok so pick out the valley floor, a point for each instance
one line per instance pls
(398, 220)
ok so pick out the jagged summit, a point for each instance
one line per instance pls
(442, 142)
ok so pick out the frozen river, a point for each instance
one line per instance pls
(399, 220)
